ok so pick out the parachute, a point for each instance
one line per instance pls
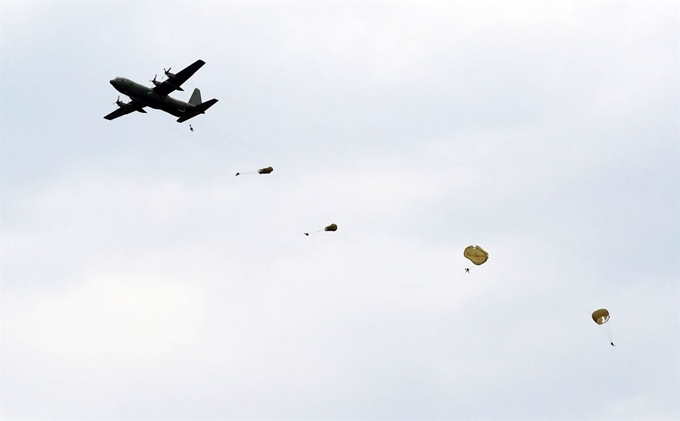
(266, 170)
(331, 227)
(476, 254)
(601, 316)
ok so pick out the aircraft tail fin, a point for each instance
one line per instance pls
(199, 109)
(195, 97)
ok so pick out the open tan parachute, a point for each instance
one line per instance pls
(266, 170)
(331, 227)
(601, 316)
(476, 254)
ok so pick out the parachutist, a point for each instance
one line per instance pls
(612, 343)
(467, 270)
(191, 128)
(237, 174)
(307, 234)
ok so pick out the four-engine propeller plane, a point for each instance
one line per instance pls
(158, 96)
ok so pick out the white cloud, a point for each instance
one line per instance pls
(106, 321)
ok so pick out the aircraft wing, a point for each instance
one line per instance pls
(125, 109)
(176, 80)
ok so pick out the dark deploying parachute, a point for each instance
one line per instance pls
(331, 227)
(476, 254)
(266, 170)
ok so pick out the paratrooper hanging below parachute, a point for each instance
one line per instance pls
(266, 170)
(331, 227)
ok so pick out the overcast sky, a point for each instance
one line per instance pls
(142, 280)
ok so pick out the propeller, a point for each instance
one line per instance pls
(155, 82)
(171, 79)
(119, 102)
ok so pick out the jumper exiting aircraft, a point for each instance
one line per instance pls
(157, 97)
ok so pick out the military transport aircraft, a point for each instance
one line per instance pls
(157, 97)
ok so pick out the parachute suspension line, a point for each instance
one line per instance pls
(607, 332)
(313, 232)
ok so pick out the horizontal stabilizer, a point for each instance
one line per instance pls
(205, 105)
(199, 109)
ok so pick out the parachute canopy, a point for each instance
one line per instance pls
(601, 316)
(476, 254)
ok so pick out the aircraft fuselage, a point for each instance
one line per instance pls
(148, 97)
